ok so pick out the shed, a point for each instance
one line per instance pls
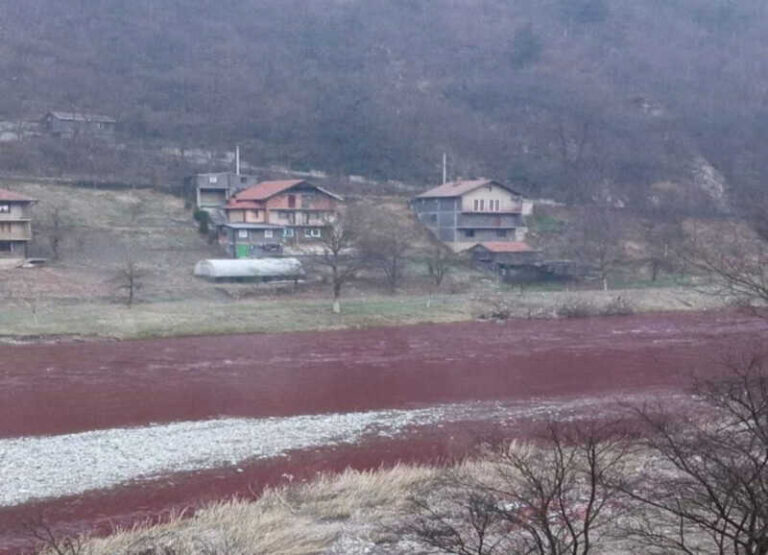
(250, 269)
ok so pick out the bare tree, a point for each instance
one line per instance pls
(552, 499)
(735, 257)
(339, 254)
(706, 490)
(385, 242)
(129, 280)
(438, 259)
(56, 225)
(595, 238)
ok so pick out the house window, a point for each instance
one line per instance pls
(242, 234)
(212, 179)
(268, 234)
(5, 208)
(469, 232)
(288, 232)
(5, 246)
(306, 217)
(315, 232)
(481, 204)
(501, 233)
(291, 201)
(283, 215)
(307, 232)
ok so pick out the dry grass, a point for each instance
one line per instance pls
(295, 519)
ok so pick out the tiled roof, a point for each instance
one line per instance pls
(6, 195)
(268, 189)
(506, 246)
(458, 188)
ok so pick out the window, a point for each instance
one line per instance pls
(482, 204)
(307, 232)
(306, 200)
(5, 207)
(288, 232)
(5, 246)
(477, 205)
(315, 232)
(469, 232)
(283, 215)
(268, 234)
(242, 234)
(291, 201)
(501, 233)
(243, 179)
(306, 217)
(494, 204)
(212, 179)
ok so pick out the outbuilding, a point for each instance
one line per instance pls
(250, 269)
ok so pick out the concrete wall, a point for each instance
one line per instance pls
(508, 202)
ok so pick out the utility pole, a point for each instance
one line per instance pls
(237, 159)
(445, 168)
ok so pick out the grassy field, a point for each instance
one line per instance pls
(175, 318)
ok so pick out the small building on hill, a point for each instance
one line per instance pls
(258, 270)
(510, 260)
(213, 190)
(464, 213)
(70, 125)
(271, 216)
(15, 225)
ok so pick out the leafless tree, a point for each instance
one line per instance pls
(339, 254)
(734, 257)
(129, 280)
(56, 225)
(385, 242)
(706, 490)
(439, 259)
(48, 541)
(553, 499)
(595, 238)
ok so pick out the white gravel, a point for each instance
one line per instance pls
(54, 466)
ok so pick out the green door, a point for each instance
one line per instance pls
(242, 251)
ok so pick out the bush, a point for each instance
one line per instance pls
(203, 219)
(618, 307)
(576, 308)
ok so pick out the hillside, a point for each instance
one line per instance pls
(559, 95)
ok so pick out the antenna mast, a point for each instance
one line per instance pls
(445, 168)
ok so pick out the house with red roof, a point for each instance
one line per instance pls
(467, 212)
(266, 218)
(15, 224)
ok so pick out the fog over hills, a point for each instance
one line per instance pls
(561, 95)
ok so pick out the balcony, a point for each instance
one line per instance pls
(493, 220)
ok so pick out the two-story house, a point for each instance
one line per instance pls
(264, 219)
(465, 213)
(15, 224)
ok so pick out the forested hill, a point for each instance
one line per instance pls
(563, 94)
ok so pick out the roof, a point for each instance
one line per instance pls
(252, 226)
(80, 116)
(459, 188)
(506, 246)
(249, 268)
(10, 196)
(268, 189)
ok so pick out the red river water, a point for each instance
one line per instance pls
(67, 388)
